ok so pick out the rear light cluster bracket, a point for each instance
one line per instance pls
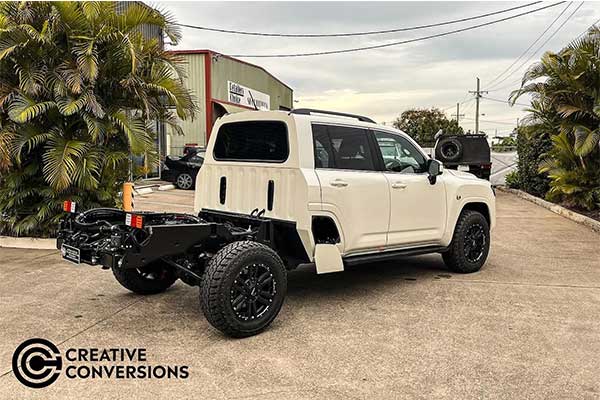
(135, 221)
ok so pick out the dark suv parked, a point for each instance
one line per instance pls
(182, 171)
(468, 150)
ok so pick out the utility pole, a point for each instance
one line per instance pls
(477, 94)
(458, 114)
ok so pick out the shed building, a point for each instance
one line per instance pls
(222, 84)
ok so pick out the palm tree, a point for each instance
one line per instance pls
(565, 88)
(571, 87)
(79, 89)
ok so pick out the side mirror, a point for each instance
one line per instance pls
(438, 134)
(434, 168)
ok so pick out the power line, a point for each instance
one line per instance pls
(469, 107)
(532, 44)
(541, 46)
(586, 30)
(505, 101)
(490, 121)
(321, 53)
(519, 79)
(461, 103)
(322, 35)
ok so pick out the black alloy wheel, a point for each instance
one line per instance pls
(474, 243)
(253, 292)
(470, 244)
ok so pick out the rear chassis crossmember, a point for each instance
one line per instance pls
(182, 240)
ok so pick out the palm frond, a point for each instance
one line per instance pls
(28, 138)
(586, 140)
(11, 42)
(135, 131)
(70, 105)
(88, 168)
(95, 127)
(61, 161)
(87, 59)
(23, 109)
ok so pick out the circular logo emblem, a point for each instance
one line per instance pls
(37, 363)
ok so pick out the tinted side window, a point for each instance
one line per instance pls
(252, 141)
(342, 147)
(351, 148)
(322, 147)
(399, 155)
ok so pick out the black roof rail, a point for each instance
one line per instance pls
(309, 111)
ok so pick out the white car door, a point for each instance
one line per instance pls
(351, 187)
(418, 208)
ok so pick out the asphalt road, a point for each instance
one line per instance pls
(526, 326)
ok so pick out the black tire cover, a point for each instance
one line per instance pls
(449, 149)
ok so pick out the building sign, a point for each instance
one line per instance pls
(239, 94)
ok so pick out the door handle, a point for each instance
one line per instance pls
(339, 183)
(398, 185)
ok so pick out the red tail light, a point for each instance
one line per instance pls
(135, 221)
(69, 206)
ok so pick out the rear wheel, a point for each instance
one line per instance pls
(243, 288)
(151, 279)
(470, 244)
(184, 181)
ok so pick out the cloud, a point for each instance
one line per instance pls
(380, 83)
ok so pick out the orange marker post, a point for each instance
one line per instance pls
(128, 196)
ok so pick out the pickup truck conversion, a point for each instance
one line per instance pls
(282, 189)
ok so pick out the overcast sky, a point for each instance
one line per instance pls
(382, 83)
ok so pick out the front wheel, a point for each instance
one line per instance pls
(151, 279)
(470, 244)
(243, 288)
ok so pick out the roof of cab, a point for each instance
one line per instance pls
(310, 114)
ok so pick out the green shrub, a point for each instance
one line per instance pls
(512, 180)
(531, 147)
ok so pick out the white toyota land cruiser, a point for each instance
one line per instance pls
(280, 189)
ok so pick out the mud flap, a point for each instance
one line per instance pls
(328, 258)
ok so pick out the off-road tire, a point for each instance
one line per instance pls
(134, 280)
(217, 287)
(455, 258)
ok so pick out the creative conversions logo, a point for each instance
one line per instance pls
(38, 363)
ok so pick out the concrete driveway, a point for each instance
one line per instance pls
(526, 326)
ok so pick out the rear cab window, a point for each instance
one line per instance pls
(252, 141)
